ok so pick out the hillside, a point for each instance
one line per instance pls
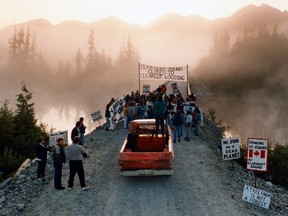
(171, 38)
(202, 184)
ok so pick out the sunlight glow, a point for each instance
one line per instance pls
(133, 11)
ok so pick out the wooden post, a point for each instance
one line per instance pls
(187, 81)
(139, 77)
(255, 179)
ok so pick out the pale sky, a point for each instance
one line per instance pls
(133, 11)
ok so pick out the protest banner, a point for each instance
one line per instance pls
(148, 72)
(96, 116)
(116, 113)
(54, 135)
(256, 196)
(257, 154)
(230, 148)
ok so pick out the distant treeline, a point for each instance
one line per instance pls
(84, 84)
(250, 73)
(79, 83)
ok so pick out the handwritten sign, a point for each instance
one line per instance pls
(256, 196)
(96, 115)
(148, 72)
(230, 148)
(146, 89)
(257, 154)
(60, 134)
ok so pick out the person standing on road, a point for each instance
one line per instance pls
(75, 153)
(197, 121)
(41, 151)
(82, 129)
(188, 125)
(76, 131)
(177, 121)
(107, 116)
(59, 158)
(159, 108)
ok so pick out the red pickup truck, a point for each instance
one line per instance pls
(145, 153)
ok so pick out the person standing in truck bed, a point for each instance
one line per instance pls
(159, 108)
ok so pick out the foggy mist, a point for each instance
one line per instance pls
(75, 68)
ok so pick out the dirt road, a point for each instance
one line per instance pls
(201, 185)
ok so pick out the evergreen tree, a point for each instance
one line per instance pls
(79, 61)
(7, 131)
(25, 123)
(91, 57)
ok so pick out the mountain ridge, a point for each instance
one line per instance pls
(166, 37)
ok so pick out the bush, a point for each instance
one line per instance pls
(10, 162)
(277, 164)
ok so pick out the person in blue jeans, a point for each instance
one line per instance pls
(177, 122)
(159, 108)
(188, 124)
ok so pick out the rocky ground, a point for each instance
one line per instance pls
(202, 184)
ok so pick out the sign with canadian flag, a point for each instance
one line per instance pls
(257, 154)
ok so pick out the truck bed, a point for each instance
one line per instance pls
(153, 156)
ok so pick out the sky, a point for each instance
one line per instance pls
(132, 11)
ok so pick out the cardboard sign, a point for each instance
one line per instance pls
(230, 148)
(257, 154)
(96, 115)
(256, 196)
(175, 88)
(53, 136)
(146, 89)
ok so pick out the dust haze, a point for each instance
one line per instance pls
(75, 68)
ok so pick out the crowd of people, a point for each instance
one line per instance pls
(75, 153)
(158, 105)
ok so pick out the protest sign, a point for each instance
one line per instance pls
(96, 115)
(256, 196)
(148, 72)
(257, 154)
(116, 111)
(230, 148)
(175, 88)
(54, 135)
(146, 89)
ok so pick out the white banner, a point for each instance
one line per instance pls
(256, 196)
(148, 72)
(116, 111)
(230, 148)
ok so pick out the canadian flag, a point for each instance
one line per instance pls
(256, 153)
